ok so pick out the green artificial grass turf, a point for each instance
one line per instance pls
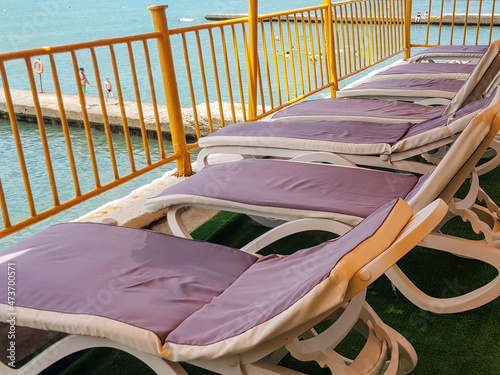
(452, 344)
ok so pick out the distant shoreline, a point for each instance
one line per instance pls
(447, 18)
(25, 111)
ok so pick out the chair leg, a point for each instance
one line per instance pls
(175, 222)
(74, 343)
(474, 249)
(381, 339)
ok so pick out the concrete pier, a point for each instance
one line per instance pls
(25, 111)
(447, 19)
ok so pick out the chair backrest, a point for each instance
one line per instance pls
(461, 159)
(479, 81)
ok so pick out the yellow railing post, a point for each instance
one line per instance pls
(171, 90)
(332, 65)
(253, 58)
(407, 20)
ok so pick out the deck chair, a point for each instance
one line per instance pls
(432, 71)
(289, 190)
(485, 76)
(378, 110)
(166, 299)
(389, 145)
(450, 52)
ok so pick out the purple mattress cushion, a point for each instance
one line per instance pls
(414, 84)
(145, 279)
(274, 284)
(291, 185)
(433, 68)
(356, 132)
(455, 49)
(351, 107)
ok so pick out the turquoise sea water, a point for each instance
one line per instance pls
(31, 24)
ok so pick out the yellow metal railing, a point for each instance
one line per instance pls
(102, 57)
(456, 22)
(210, 75)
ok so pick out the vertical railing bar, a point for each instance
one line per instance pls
(440, 23)
(387, 29)
(360, 48)
(372, 31)
(64, 125)
(306, 50)
(324, 31)
(353, 34)
(390, 15)
(367, 19)
(399, 24)
(291, 55)
(453, 22)
(335, 31)
(266, 61)
(491, 22)
(228, 74)
(159, 132)
(348, 40)
(381, 29)
(313, 51)
(344, 47)
(126, 131)
(401, 20)
(171, 91)
(285, 70)
(104, 115)
(375, 32)
(140, 112)
(479, 20)
(275, 59)
(394, 9)
(337, 42)
(3, 207)
(365, 33)
(466, 21)
(43, 135)
(318, 41)
(428, 22)
(216, 77)
(17, 139)
(191, 88)
(395, 23)
(86, 122)
(245, 48)
(299, 51)
(261, 88)
(204, 80)
(238, 71)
